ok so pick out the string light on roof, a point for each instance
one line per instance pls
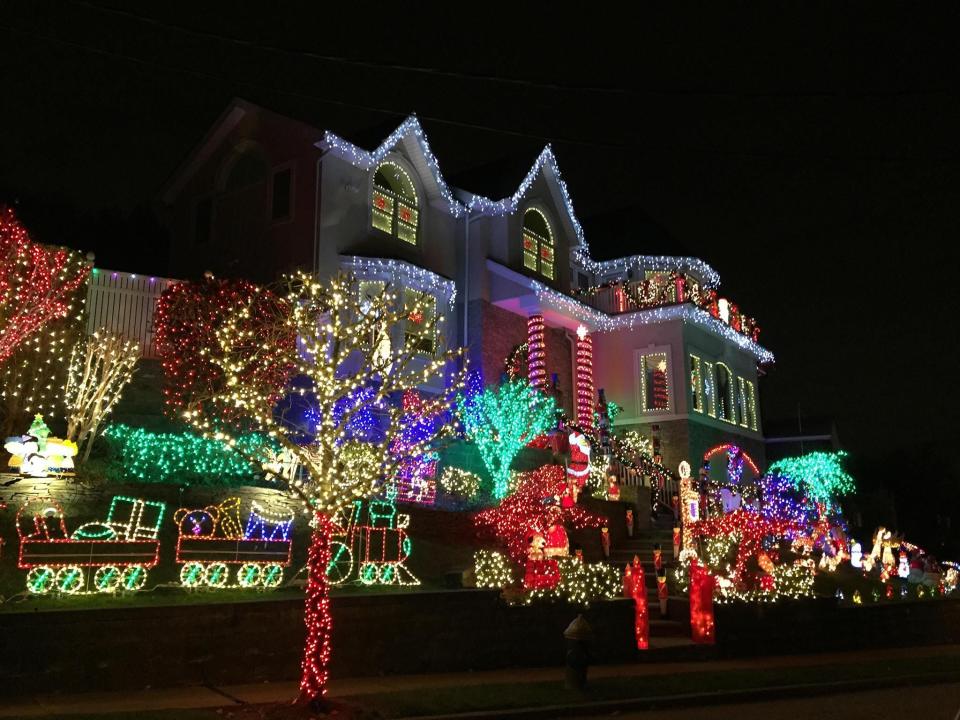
(628, 321)
(368, 160)
(407, 274)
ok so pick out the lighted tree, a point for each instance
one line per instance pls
(818, 475)
(344, 364)
(501, 420)
(37, 283)
(187, 319)
(100, 369)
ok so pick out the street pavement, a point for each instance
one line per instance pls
(934, 702)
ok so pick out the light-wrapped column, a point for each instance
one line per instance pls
(585, 391)
(536, 352)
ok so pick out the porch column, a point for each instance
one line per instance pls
(585, 389)
(536, 352)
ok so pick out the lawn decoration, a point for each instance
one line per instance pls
(374, 553)
(121, 548)
(212, 539)
(36, 454)
(635, 587)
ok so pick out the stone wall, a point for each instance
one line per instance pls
(374, 634)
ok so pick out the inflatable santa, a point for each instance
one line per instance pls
(579, 466)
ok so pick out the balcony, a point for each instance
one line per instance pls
(663, 289)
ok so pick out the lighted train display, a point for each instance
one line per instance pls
(211, 541)
(214, 550)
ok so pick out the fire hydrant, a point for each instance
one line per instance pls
(577, 636)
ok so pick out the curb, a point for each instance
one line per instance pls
(657, 702)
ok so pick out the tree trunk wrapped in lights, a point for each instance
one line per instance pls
(99, 370)
(336, 356)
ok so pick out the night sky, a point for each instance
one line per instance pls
(810, 154)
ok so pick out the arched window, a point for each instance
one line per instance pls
(394, 203)
(725, 409)
(537, 243)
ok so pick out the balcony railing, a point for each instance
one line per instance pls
(662, 290)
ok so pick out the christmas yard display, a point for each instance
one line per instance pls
(531, 524)
(322, 350)
(211, 540)
(105, 557)
(37, 454)
(501, 420)
(371, 553)
(99, 370)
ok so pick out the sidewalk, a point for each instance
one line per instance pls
(381, 688)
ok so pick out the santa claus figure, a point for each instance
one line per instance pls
(558, 545)
(578, 469)
(613, 489)
(568, 493)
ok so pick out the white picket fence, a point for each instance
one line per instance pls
(125, 303)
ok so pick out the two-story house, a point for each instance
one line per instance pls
(513, 277)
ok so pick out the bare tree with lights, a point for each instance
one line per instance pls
(340, 359)
(100, 369)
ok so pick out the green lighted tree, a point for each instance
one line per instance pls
(501, 420)
(819, 475)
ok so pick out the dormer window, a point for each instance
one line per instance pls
(394, 203)
(537, 243)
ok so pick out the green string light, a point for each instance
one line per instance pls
(501, 421)
(182, 457)
(818, 475)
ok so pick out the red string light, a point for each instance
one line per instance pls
(636, 586)
(701, 604)
(316, 616)
(536, 352)
(36, 283)
(585, 389)
(187, 317)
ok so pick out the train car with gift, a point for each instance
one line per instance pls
(109, 556)
(212, 540)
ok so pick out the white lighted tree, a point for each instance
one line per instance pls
(100, 369)
(340, 362)
(501, 421)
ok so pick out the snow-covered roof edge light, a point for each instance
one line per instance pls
(367, 160)
(477, 203)
(412, 275)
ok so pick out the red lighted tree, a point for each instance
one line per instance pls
(37, 283)
(345, 362)
(532, 508)
(187, 319)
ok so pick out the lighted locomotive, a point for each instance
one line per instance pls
(371, 553)
(109, 556)
(211, 541)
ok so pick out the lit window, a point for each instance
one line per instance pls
(420, 331)
(537, 243)
(654, 391)
(697, 401)
(724, 391)
(709, 388)
(394, 203)
(750, 402)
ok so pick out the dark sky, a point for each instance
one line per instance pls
(807, 151)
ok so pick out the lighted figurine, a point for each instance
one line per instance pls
(605, 541)
(703, 487)
(657, 557)
(535, 548)
(677, 537)
(578, 469)
(568, 494)
(578, 554)
(931, 573)
(856, 555)
(903, 568)
(36, 454)
(629, 519)
(613, 488)
(558, 545)
(662, 591)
